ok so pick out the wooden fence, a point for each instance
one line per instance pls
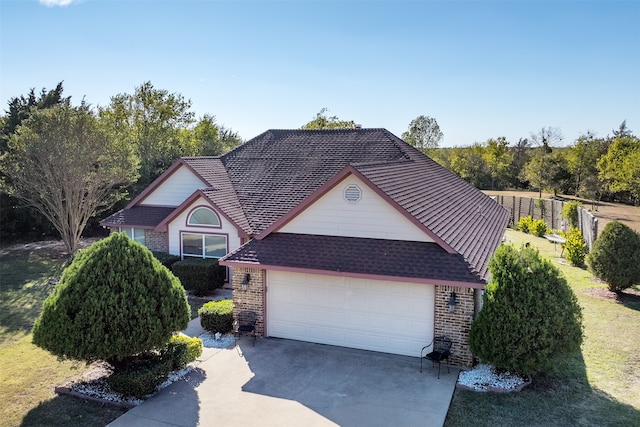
(551, 211)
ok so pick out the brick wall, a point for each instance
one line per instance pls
(153, 240)
(456, 325)
(251, 299)
(156, 241)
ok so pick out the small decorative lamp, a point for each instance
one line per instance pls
(245, 282)
(452, 302)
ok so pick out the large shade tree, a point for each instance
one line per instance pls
(61, 163)
(114, 301)
(619, 167)
(423, 133)
(322, 121)
(151, 121)
(16, 219)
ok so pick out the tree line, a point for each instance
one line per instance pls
(592, 168)
(65, 166)
(61, 165)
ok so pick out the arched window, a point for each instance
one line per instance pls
(204, 217)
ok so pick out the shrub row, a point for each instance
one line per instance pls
(166, 259)
(140, 379)
(144, 373)
(537, 227)
(198, 275)
(217, 316)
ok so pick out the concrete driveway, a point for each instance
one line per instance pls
(291, 383)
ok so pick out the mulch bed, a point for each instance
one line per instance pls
(626, 296)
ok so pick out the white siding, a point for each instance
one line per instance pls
(378, 315)
(175, 189)
(179, 224)
(371, 217)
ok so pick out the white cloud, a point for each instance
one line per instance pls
(52, 3)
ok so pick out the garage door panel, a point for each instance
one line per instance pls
(385, 316)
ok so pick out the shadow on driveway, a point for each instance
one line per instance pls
(290, 383)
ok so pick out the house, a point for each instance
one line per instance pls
(343, 237)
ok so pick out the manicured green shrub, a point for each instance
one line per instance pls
(114, 301)
(538, 227)
(575, 247)
(182, 350)
(217, 316)
(570, 212)
(615, 257)
(530, 314)
(142, 378)
(524, 224)
(199, 275)
(166, 259)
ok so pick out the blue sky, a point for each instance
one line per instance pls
(482, 69)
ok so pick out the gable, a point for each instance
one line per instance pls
(178, 224)
(370, 217)
(174, 189)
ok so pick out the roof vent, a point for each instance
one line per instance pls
(352, 193)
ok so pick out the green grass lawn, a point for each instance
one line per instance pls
(27, 373)
(596, 387)
(599, 386)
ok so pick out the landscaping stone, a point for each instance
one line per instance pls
(486, 378)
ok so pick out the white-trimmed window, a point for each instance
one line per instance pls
(136, 234)
(204, 245)
(203, 217)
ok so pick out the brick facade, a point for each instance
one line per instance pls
(155, 241)
(455, 325)
(253, 298)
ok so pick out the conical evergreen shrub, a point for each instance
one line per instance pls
(115, 300)
(529, 316)
(615, 257)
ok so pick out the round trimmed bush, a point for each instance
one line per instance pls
(615, 257)
(182, 350)
(114, 301)
(530, 313)
(217, 316)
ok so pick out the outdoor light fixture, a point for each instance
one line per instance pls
(245, 282)
(452, 302)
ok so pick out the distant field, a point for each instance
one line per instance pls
(604, 211)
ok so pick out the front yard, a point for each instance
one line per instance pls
(598, 386)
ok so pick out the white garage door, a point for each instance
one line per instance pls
(391, 317)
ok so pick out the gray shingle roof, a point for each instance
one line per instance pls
(260, 181)
(138, 216)
(377, 257)
(464, 217)
(275, 171)
(221, 191)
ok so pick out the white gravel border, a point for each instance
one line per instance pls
(99, 388)
(485, 377)
(217, 340)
